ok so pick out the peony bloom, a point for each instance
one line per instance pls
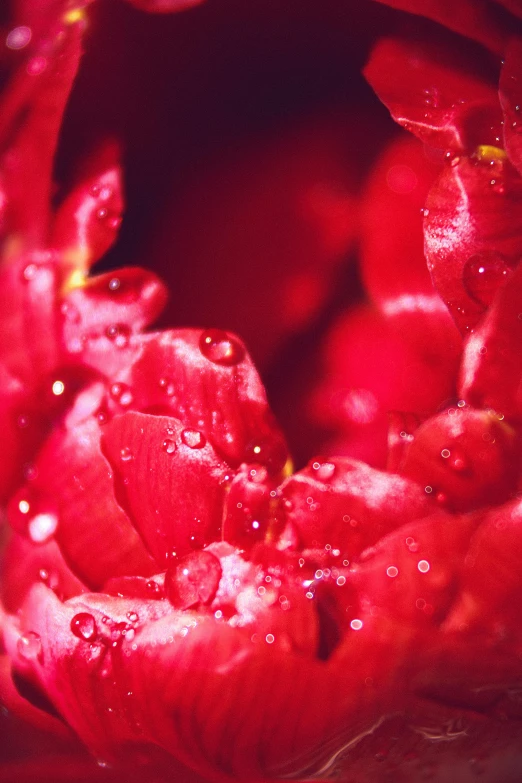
(177, 601)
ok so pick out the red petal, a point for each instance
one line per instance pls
(434, 89)
(207, 380)
(87, 222)
(348, 505)
(473, 232)
(491, 374)
(74, 484)
(169, 479)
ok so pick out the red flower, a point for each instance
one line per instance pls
(181, 600)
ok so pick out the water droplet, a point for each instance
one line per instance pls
(219, 347)
(121, 393)
(132, 617)
(194, 439)
(169, 446)
(114, 284)
(125, 454)
(193, 580)
(482, 275)
(42, 527)
(392, 571)
(83, 625)
(423, 566)
(119, 334)
(457, 460)
(18, 37)
(29, 646)
(356, 624)
(324, 471)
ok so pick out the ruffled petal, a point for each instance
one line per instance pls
(510, 93)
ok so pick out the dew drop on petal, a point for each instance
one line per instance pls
(218, 347)
(42, 527)
(83, 626)
(169, 446)
(29, 646)
(18, 37)
(324, 471)
(194, 439)
(482, 275)
(125, 454)
(193, 580)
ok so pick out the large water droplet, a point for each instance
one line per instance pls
(194, 439)
(193, 580)
(42, 527)
(29, 646)
(169, 446)
(83, 625)
(220, 348)
(483, 274)
(324, 471)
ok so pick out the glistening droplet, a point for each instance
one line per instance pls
(193, 580)
(218, 347)
(194, 439)
(29, 646)
(482, 275)
(83, 625)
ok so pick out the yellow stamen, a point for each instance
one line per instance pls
(488, 152)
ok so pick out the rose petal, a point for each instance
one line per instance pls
(163, 6)
(169, 479)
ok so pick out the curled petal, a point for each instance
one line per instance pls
(445, 98)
